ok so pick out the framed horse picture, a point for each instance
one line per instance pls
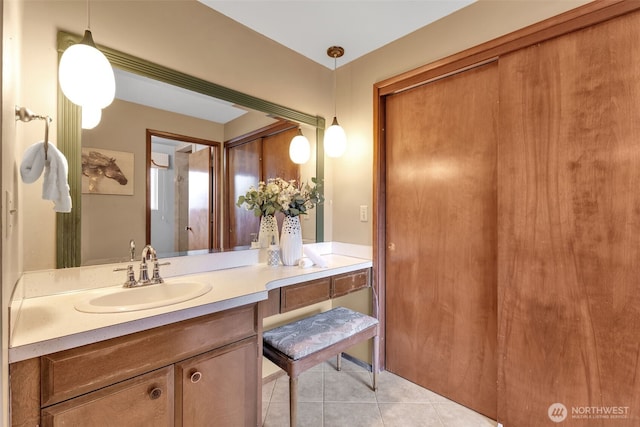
(107, 172)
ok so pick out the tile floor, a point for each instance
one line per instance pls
(328, 398)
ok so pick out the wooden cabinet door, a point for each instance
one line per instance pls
(146, 400)
(441, 236)
(219, 388)
(243, 171)
(569, 229)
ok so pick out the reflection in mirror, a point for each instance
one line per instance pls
(86, 238)
(182, 194)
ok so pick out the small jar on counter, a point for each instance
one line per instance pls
(273, 254)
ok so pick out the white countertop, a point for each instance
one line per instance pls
(46, 323)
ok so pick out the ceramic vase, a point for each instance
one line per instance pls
(268, 230)
(291, 241)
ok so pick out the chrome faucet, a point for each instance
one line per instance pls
(148, 253)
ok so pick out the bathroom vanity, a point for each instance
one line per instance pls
(195, 363)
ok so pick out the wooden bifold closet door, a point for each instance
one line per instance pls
(441, 272)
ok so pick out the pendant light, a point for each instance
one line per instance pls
(335, 140)
(91, 117)
(85, 74)
(299, 149)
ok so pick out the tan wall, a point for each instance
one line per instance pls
(480, 22)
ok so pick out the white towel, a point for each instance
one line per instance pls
(314, 256)
(55, 186)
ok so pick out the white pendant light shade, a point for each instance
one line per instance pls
(300, 149)
(91, 117)
(86, 76)
(335, 140)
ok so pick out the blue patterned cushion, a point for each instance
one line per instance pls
(306, 336)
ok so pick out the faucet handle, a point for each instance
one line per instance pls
(132, 250)
(144, 273)
(156, 271)
(131, 278)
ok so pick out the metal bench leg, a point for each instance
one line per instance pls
(293, 401)
(339, 362)
(374, 365)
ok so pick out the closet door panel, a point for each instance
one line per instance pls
(569, 228)
(243, 171)
(441, 236)
(277, 163)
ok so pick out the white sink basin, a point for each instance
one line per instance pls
(142, 298)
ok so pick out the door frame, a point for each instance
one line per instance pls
(216, 176)
(573, 20)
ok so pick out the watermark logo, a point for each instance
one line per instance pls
(557, 412)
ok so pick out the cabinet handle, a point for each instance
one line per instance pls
(155, 393)
(195, 377)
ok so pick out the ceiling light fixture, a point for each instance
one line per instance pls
(85, 74)
(335, 140)
(299, 149)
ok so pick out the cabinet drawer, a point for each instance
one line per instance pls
(151, 395)
(296, 296)
(349, 282)
(73, 372)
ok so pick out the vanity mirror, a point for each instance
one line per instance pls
(71, 226)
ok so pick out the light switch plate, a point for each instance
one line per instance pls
(364, 213)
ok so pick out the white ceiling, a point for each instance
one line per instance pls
(309, 27)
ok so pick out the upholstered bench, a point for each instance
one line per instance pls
(300, 345)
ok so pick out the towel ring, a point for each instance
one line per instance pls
(25, 115)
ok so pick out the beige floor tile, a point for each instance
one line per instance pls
(267, 390)
(330, 398)
(265, 408)
(309, 415)
(310, 388)
(392, 388)
(352, 415)
(348, 386)
(409, 415)
(454, 415)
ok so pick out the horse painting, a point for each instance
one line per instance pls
(97, 166)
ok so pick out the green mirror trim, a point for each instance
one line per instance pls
(68, 227)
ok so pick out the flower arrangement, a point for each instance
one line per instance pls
(279, 195)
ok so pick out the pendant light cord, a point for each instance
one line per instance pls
(88, 17)
(335, 87)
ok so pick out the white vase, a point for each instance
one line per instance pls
(291, 241)
(268, 230)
